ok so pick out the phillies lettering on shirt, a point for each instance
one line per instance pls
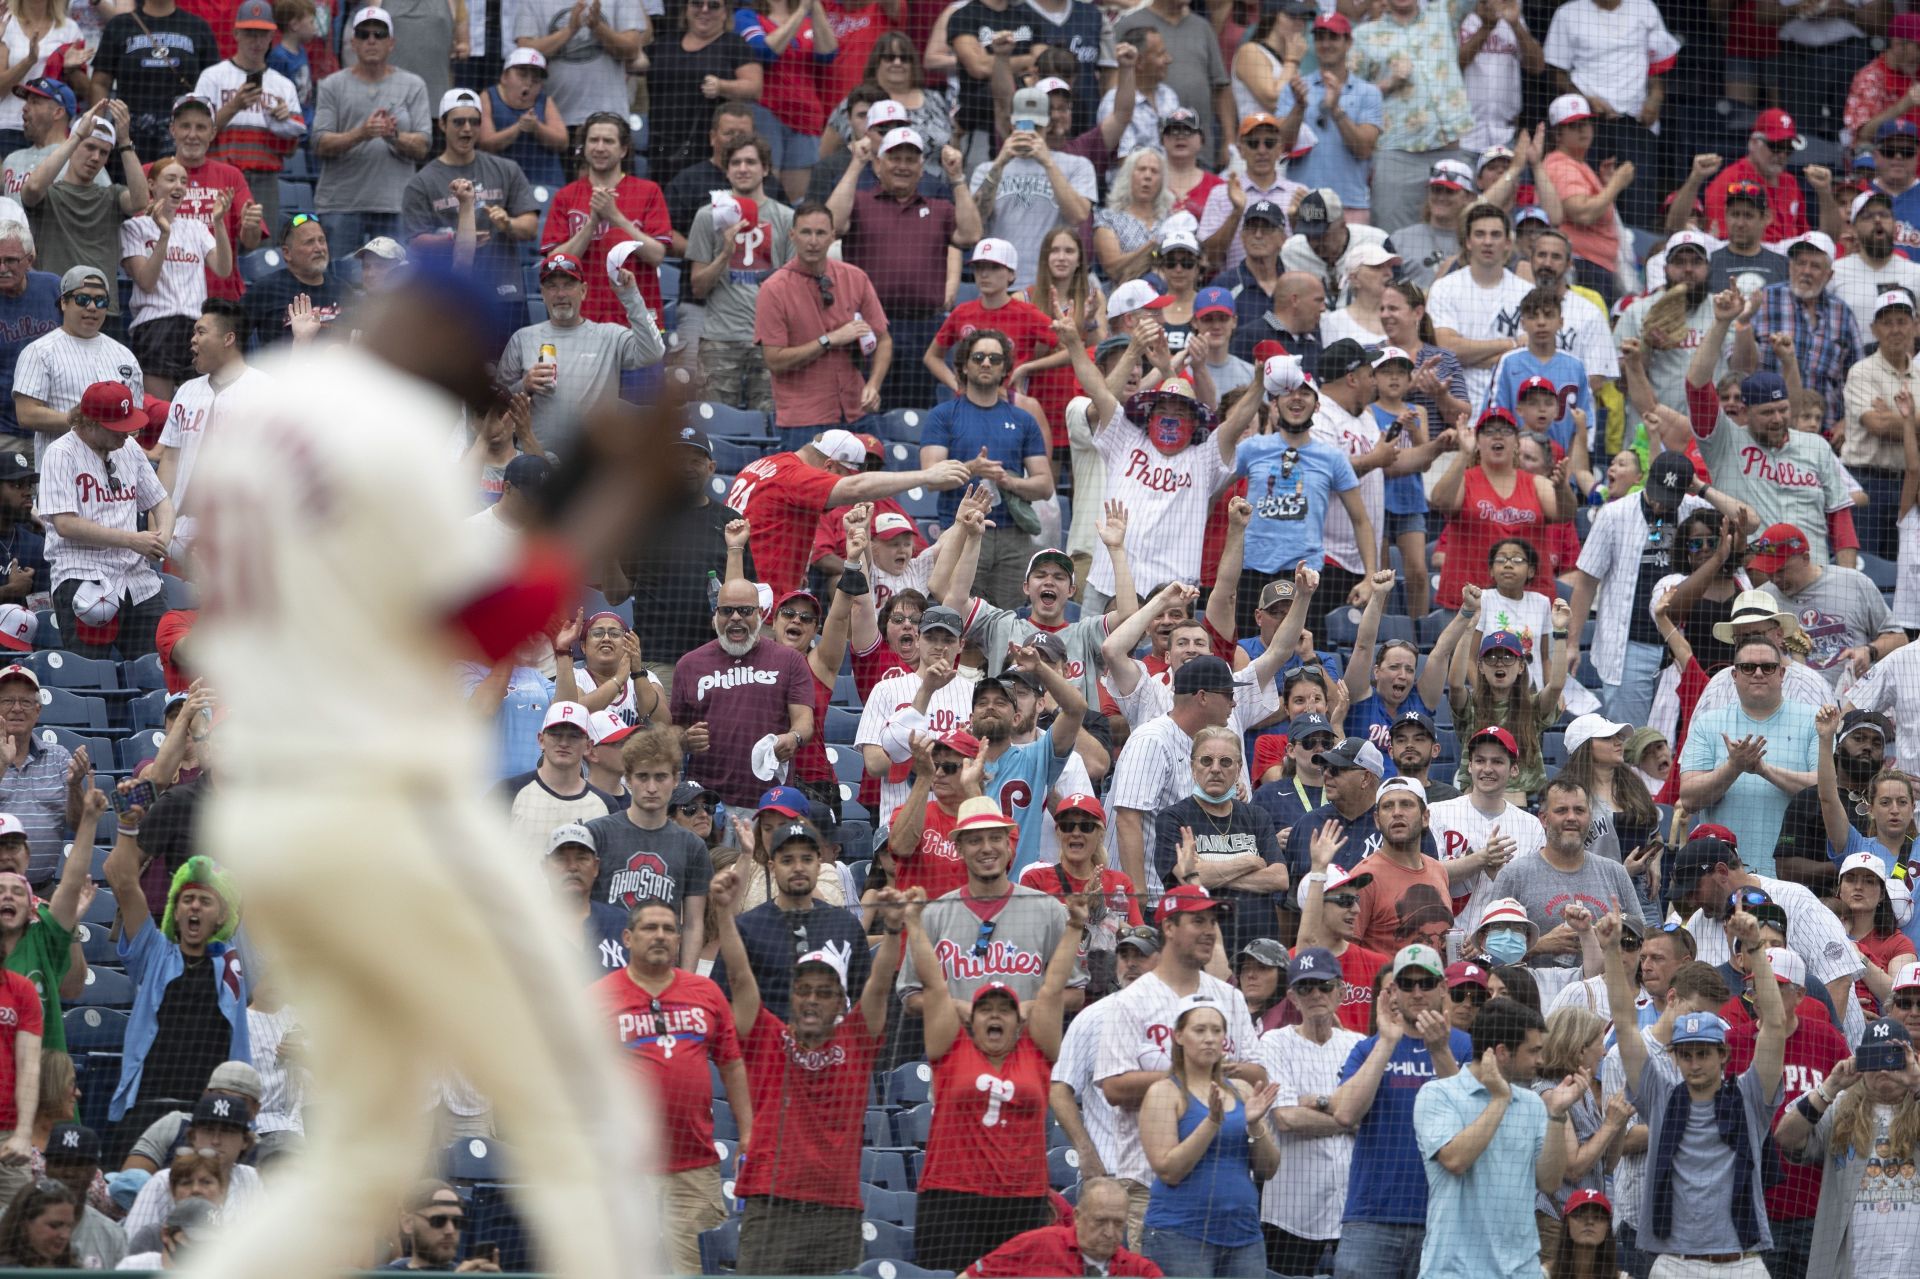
(999, 957)
(738, 677)
(1161, 479)
(1755, 464)
(670, 1028)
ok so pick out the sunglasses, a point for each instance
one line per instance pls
(300, 220)
(1469, 994)
(1898, 153)
(441, 1220)
(736, 610)
(1756, 668)
(88, 301)
(1749, 897)
(896, 55)
(1312, 987)
(983, 937)
(1139, 932)
(695, 806)
(1316, 743)
(371, 33)
(826, 290)
(1180, 262)
(1261, 141)
(1417, 983)
(1907, 1003)
(1695, 545)
(1778, 148)
(946, 767)
(1080, 826)
(986, 357)
(1342, 901)
(1628, 943)
(798, 614)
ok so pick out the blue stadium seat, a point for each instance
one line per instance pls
(725, 1127)
(1397, 626)
(96, 945)
(58, 669)
(729, 1152)
(101, 910)
(909, 1084)
(63, 709)
(734, 456)
(99, 749)
(889, 1268)
(847, 693)
(856, 841)
(1342, 627)
(1448, 757)
(842, 724)
(145, 672)
(1429, 627)
(1882, 573)
(891, 1206)
(920, 503)
(915, 1125)
(95, 1030)
(105, 988)
(885, 1240)
(149, 710)
(1553, 749)
(135, 747)
(885, 1168)
(46, 632)
(723, 419)
(720, 1248)
(260, 263)
(902, 425)
(96, 1074)
(473, 1159)
(297, 197)
(718, 487)
(879, 1130)
(858, 868)
(180, 593)
(1063, 1167)
(847, 764)
(669, 270)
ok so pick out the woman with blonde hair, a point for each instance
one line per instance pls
(30, 31)
(1137, 203)
(1576, 1041)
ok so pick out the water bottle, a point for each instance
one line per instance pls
(1598, 497)
(713, 590)
(868, 343)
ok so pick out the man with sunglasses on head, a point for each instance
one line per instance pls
(304, 298)
(56, 369)
(371, 126)
(794, 922)
(1770, 144)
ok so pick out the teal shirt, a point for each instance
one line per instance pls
(1752, 807)
(1488, 1211)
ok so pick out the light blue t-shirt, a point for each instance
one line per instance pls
(518, 720)
(1753, 807)
(1020, 780)
(1484, 1234)
(1330, 164)
(1290, 486)
(1562, 370)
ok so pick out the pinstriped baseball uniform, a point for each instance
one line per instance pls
(411, 932)
(73, 481)
(56, 369)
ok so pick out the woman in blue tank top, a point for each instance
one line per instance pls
(1205, 1136)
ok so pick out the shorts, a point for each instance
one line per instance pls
(792, 149)
(164, 347)
(1412, 522)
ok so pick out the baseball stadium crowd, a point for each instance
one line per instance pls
(1250, 575)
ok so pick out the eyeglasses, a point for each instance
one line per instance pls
(88, 301)
(1261, 141)
(1757, 668)
(826, 290)
(1469, 994)
(1428, 982)
(1083, 826)
(983, 937)
(1492, 430)
(697, 5)
(946, 767)
(986, 357)
(371, 33)
(441, 1220)
(18, 703)
(1312, 987)
(1499, 657)
(797, 614)
(606, 632)
(1509, 561)
(1342, 901)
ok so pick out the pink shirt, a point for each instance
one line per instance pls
(1600, 242)
(826, 390)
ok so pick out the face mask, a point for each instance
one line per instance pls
(1200, 793)
(971, 674)
(1170, 433)
(1505, 946)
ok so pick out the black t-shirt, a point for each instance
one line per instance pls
(1244, 830)
(689, 192)
(1725, 266)
(192, 1037)
(669, 576)
(1658, 556)
(1708, 649)
(983, 23)
(151, 68)
(1803, 831)
(268, 298)
(682, 114)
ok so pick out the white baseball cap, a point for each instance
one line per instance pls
(1179, 237)
(1132, 296)
(843, 447)
(454, 99)
(1053, 84)
(17, 626)
(1892, 297)
(617, 259)
(17, 671)
(384, 247)
(571, 833)
(1285, 373)
(1866, 861)
(903, 138)
(95, 603)
(1690, 238)
(608, 729)
(829, 957)
(103, 131)
(11, 825)
(886, 111)
(998, 252)
(1374, 255)
(1588, 727)
(569, 713)
(525, 57)
(1787, 966)
(1812, 240)
(372, 13)
(1411, 785)
(1508, 910)
(891, 524)
(1905, 979)
(1568, 108)
(1386, 355)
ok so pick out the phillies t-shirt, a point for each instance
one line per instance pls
(19, 1011)
(204, 186)
(809, 1108)
(989, 1134)
(1161, 493)
(1459, 828)
(642, 203)
(782, 498)
(1357, 968)
(741, 700)
(934, 863)
(1813, 1050)
(669, 1040)
(1388, 1180)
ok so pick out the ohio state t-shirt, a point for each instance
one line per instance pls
(989, 1134)
(809, 1106)
(19, 1011)
(668, 1052)
(782, 498)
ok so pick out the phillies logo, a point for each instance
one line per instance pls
(1160, 1036)
(8, 1017)
(1000, 957)
(95, 490)
(812, 1059)
(1159, 479)
(1755, 463)
(1510, 516)
(1453, 846)
(644, 876)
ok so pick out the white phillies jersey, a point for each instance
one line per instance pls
(1459, 828)
(948, 709)
(111, 492)
(331, 542)
(57, 368)
(196, 405)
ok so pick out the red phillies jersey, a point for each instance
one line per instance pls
(989, 1132)
(1054, 1250)
(1357, 967)
(19, 1011)
(831, 537)
(669, 1041)
(782, 498)
(810, 763)
(815, 1102)
(1813, 1050)
(642, 203)
(934, 864)
(1114, 886)
(1025, 325)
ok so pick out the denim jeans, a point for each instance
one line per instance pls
(1185, 1257)
(1632, 1260)
(1376, 1250)
(1792, 1247)
(1631, 700)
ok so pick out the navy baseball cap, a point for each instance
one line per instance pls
(48, 87)
(1212, 298)
(1204, 674)
(74, 1144)
(1763, 388)
(1419, 719)
(1313, 963)
(694, 437)
(528, 472)
(1306, 725)
(1264, 211)
(1891, 129)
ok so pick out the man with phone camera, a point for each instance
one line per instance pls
(257, 122)
(431, 1228)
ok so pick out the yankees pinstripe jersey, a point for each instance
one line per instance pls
(57, 367)
(76, 480)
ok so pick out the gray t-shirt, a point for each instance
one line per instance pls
(994, 630)
(1422, 248)
(1702, 1166)
(582, 77)
(730, 307)
(1025, 208)
(78, 226)
(19, 166)
(1024, 932)
(370, 177)
(1231, 376)
(671, 863)
(99, 1242)
(1840, 609)
(590, 356)
(427, 205)
(1547, 891)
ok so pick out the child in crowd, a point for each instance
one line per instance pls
(1809, 409)
(1510, 606)
(1496, 689)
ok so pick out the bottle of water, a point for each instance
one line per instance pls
(713, 590)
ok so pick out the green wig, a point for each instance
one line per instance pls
(202, 872)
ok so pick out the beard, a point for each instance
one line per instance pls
(740, 648)
(1857, 770)
(1697, 293)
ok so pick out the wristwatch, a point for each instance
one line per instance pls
(1323, 1103)
(826, 340)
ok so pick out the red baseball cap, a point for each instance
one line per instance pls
(1495, 733)
(1264, 351)
(1336, 22)
(1081, 804)
(1536, 383)
(1784, 541)
(1463, 973)
(1713, 830)
(563, 264)
(111, 405)
(790, 596)
(1586, 1199)
(997, 988)
(1776, 125)
(960, 740)
(1185, 900)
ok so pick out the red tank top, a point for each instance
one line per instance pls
(1484, 518)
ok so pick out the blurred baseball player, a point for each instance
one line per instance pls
(405, 927)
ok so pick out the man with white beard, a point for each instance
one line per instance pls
(744, 700)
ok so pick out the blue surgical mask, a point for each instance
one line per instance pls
(1200, 793)
(1506, 946)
